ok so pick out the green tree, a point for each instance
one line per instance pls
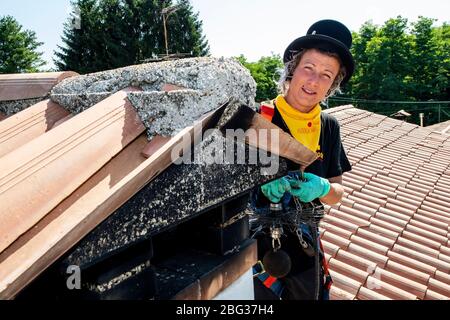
(360, 41)
(18, 48)
(266, 72)
(401, 62)
(82, 36)
(186, 31)
(117, 33)
(387, 67)
(441, 36)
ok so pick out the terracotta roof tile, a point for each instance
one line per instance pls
(338, 294)
(380, 229)
(376, 237)
(340, 223)
(367, 294)
(335, 239)
(441, 194)
(385, 181)
(371, 245)
(396, 213)
(28, 124)
(395, 223)
(430, 219)
(432, 295)
(418, 247)
(16, 271)
(349, 184)
(411, 262)
(422, 257)
(373, 188)
(349, 217)
(382, 186)
(379, 259)
(433, 196)
(345, 283)
(436, 208)
(426, 234)
(374, 194)
(396, 204)
(347, 202)
(348, 270)
(336, 230)
(437, 230)
(407, 200)
(439, 287)
(407, 272)
(389, 290)
(445, 249)
(362, 173)
(401, 282)
(356, 261)
(330, 248)
(355, 212)
(30, 85)
(364, 209)
(399, 209)
(442, 276)
(385, 222)
(421, 240)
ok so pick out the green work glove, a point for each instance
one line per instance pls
(312, 188)
(275, 190)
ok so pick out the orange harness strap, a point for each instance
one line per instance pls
(267, 111)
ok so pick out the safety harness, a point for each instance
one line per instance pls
(267, 110)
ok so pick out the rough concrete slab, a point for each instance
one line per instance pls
(80, 101)
(208, 82)
(166, 113)
(12, 107)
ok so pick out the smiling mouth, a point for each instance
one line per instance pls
(308, 92)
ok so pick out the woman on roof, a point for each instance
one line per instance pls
(315, 66)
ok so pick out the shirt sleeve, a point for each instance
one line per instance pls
(340, 162)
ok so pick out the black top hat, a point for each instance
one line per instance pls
(328, 35)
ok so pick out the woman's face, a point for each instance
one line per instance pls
(311, 80)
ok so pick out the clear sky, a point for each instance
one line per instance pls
(254, 28)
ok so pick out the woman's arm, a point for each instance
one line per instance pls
(336, 191)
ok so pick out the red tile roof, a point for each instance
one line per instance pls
(389, 236)
(442, 127)
(18, 129)
(30, 85)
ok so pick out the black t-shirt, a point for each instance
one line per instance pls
(332, 162)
